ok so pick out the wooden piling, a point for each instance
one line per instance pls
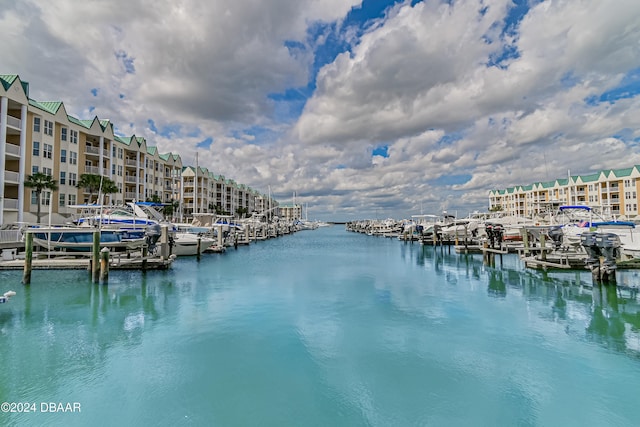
(104, 265)
(164, 242)
(28, 259)
(543, 247)
(145, 253)
(95, 258)
(199, 247)
(525, 241)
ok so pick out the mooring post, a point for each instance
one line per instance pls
(95, 258)
(164, 242)
(525, 241)
(104, 265)
(145, 252)
(199, 247)
(543, 248)
(28, 259)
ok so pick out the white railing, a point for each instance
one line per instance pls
(93, 170)
(10, 176)
(10, 236)
(130, 195)
(130, 162)
(13, 122)
(131, 179)
(11, 204)
(12, 149)
(92, 150)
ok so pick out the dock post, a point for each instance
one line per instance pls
(543, 247)
(164, 242)
(246, 233)
(145, 252)
(199, 247)
(525, 241)
(104, 265)
(95, 258)
(28, 259)
(220, 237)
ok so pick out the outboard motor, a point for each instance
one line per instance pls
(588, 239)
(609, 244)
(556, 236)
(494, 234)
(152, 235)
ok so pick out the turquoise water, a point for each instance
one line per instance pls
(323, 328)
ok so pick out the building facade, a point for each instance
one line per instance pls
(40, 137)
(615, 191)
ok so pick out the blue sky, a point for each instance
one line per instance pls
(363, 108)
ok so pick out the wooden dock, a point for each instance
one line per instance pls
(64, 261)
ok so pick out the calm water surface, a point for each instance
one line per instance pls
(323, 328)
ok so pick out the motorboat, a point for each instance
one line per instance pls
(80, 239)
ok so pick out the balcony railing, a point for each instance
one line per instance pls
(14, 122)
(130, 179)
(93, 170)
(11, 204)
(10, 176)
(12, 149)
(92, 150)
(130, 195)
(130, 162)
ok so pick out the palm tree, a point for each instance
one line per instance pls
(90, 182)
(96, 183)
(39, 182)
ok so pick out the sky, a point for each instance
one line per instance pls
(353, 108)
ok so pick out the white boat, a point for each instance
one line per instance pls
(185, 241)
(80, 239)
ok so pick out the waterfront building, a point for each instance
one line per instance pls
(613, 190)
(41, 137)
(290, 212)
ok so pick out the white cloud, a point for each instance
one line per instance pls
(416, 81)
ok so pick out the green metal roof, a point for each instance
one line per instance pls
(623, 172)
(7, 80)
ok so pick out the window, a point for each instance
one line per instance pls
(48, 128)
(72, 199)
(120, 153)
(34, 197)
(63, 156)
(36, 148)
(73, 158)
(34, 170)
(62, 199)
(63, 178)
(36, 124)
(47, 151)
(63, 133)
(72, 178)
(119, 170)
(47, 171)
(46, 198)
(113, 170)
(74, 136)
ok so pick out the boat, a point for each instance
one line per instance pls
(80, 239)
(189, 238)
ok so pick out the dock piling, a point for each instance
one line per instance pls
(28, 259)
(104, 265)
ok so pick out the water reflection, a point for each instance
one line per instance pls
(612, 312)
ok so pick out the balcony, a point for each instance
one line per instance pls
(11, 177)
(130, 162)
(14, 123)
(10, 204)
(93, 170)
(130, 195)
(92, 150)
(130, 179)
(12, 149)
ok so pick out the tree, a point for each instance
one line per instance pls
(496, 208)
(92, 183)
(242, 212)
(39, 182)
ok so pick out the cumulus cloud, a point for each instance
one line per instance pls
(464, 96)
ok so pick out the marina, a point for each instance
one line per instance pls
(324, 327)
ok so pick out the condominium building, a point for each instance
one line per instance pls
(40, 137)
(615, 191)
